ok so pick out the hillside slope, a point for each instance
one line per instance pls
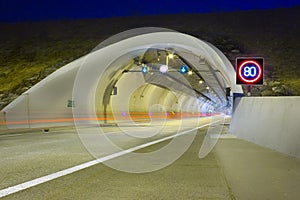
(31, 51)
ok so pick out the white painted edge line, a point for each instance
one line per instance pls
(43, 179)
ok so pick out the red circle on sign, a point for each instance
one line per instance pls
(259, 71)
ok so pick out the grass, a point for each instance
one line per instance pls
(25, 64)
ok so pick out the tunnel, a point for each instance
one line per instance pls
(136, 76)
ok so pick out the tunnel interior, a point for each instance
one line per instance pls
(161, 82)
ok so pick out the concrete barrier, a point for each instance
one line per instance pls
(272, 122)
(2, 121)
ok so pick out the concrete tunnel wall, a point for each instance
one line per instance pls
(271, 122)
(2, 121)
(45, 101)
(134, 95)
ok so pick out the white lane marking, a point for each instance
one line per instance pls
(37, 181)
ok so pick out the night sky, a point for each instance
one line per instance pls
(34, 10)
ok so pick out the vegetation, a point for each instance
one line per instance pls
(31, 51)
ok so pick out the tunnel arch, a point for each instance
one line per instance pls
(50, 98)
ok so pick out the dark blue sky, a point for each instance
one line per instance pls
(35, 10)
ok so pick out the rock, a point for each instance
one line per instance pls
(279, 90)
(267, 93)
(235, 51)
(274, 83)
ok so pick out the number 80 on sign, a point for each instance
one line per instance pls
(249, 71)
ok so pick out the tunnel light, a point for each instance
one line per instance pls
(145, 69)
(207, 87)
(171, 56)
(200, 82)
(183, 69)
(163, 69)
(190, 72)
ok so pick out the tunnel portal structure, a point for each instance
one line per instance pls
(136, 74)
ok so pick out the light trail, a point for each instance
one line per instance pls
(130, 116)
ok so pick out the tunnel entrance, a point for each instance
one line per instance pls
(152, 58)
(154, 75)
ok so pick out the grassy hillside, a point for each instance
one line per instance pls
(31, 51)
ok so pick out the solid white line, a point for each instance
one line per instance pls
(37, 181)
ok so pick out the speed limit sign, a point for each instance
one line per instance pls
(249, 71)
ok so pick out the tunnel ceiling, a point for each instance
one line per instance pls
(205, 80)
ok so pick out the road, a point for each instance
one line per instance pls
(235, 169)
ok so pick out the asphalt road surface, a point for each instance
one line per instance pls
(235, 169)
